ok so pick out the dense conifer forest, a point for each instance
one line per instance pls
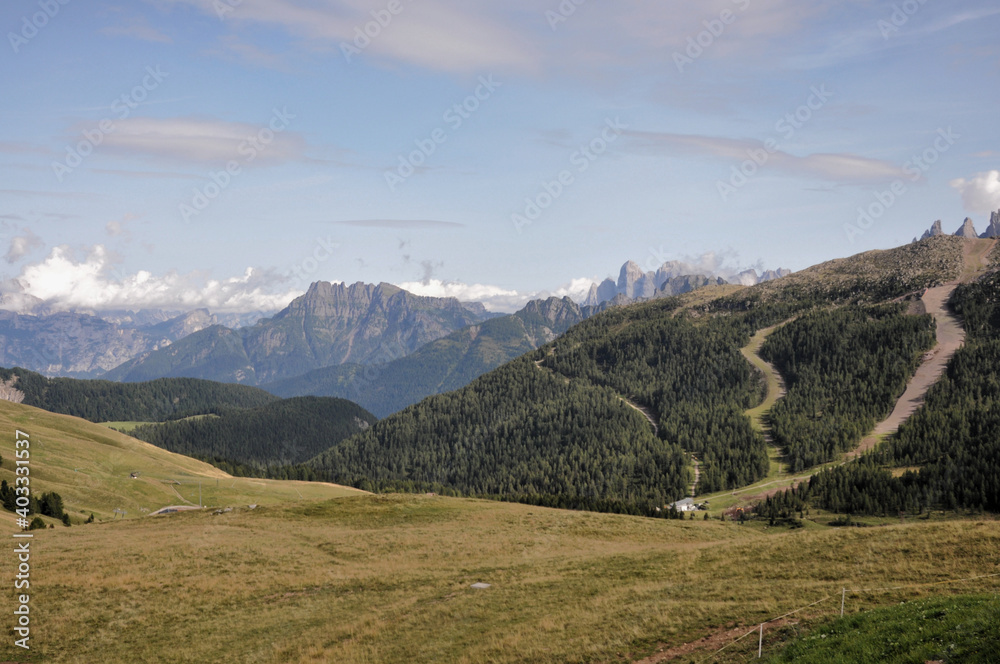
(518, 430)
(690, 376)
(554, 428)
(155, 401)
(950, 448)
(844, 369)
(259, 441)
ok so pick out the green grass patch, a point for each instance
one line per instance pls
(947, 629)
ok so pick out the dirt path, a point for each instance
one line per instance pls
(707, 644)
(645, 412)
(775, 383)
(775, 390)
(950, 337)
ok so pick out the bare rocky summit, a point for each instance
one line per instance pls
(993, 230)
(968, 229)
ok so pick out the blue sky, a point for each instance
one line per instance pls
(225, 153)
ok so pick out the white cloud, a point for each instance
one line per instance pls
(206, 140)
(21, 245)
(118, 227)
(496, 298)
(137, 27)
(839, 167)
(493, 298)
(981, 193)
(64, 282)
(518, 36)
(435, 34)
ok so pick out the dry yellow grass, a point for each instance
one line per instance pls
(387, 579)
(90, 467)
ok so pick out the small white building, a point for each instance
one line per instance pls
(686, 505)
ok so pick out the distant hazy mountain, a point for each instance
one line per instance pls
(82, 345)
(671, 278)
(330, 325)
(442, 365)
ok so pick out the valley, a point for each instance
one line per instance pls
(468, 332)
(289, 570)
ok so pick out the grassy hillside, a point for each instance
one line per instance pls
(155, 401)
(870, 277)
(388, 580)
(941, 629)
(283, 433)
(89, 466)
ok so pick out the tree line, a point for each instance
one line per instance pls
(154, 401)
(263, 441)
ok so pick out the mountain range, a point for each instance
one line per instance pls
(967, 229)
(335, 340)
(331, 324)
(86, 346)
(671, 278)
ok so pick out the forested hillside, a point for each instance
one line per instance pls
(517, 432)
(553, 427)
(953, 441)
(259, 440)
(561, 433)
(440, 366)
(155, 401)
(689, 374)
(844, 369)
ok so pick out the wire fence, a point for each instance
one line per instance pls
(845, 594)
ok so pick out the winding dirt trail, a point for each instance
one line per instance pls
(775, 390)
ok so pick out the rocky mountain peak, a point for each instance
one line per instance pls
(993, 230)
(967, 230)
(934, 231)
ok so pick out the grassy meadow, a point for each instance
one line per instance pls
(388, 579)
(90, 467)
